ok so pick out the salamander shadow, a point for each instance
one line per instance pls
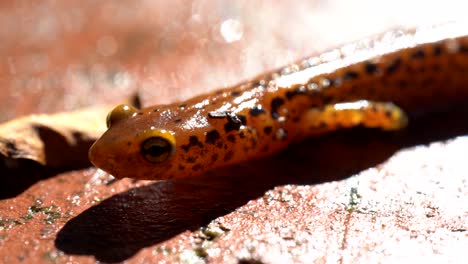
(120, 226)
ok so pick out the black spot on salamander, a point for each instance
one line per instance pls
(267, 130)
(231, 126)
(313, 105)
(265, 148)
(178, 120)
(437, 49)
(139, 113)
(463, 48)
(234, 122)
(350, 75)
(276, 103)
(228, 155)
(129, 143)
(394, 66)
(193, 141)
(235, 93)
(181, 167)
(197, 167)
(257, 110)
(298, 91)
(241, 134)
(182, 106)
(219, 144)
(214, 158)
(156, 110)
(327, 99)
(212, 136)
(243, 119)
(418, 54)
(191, 159)
(388, 114)
(371, 68)
(403, 83)
(231, 138)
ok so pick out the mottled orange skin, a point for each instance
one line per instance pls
(263, 116)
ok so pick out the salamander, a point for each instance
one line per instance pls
(366, 83)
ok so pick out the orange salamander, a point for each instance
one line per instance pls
(366, 83)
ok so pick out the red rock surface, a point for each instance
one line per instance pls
(352, 196)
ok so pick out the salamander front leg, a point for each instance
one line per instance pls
(386, 116)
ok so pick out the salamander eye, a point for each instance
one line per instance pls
(119, 113)
(159, 147)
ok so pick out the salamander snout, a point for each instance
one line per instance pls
(134, 154)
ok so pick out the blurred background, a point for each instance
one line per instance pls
(63, 55)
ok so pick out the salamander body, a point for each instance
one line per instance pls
(366, 83)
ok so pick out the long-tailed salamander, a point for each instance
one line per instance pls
(366, 83)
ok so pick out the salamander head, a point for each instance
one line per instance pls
(138, 145)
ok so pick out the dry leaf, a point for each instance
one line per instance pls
(58, 140)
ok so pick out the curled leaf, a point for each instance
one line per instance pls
(58, 140)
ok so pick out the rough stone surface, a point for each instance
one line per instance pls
(353, 196)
